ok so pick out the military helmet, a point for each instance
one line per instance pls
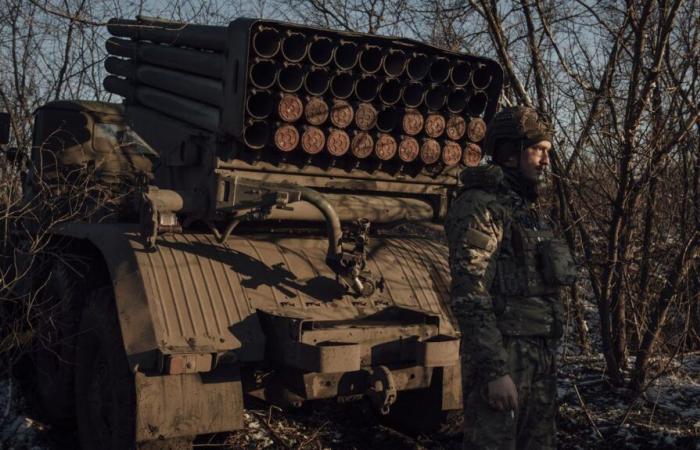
(515, 124)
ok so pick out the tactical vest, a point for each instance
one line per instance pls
(531, 268)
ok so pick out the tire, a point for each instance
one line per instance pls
(50, 367)
(105, 393)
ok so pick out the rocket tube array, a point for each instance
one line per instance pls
(312, 92)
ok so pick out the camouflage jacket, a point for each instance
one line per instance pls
(507, 269)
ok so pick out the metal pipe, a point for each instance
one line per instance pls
(351, 207)
(316, 111)
(189, 111)
(119, 86)
(457, 100)
(294, 46)
(266, 42)
(260, 104)
(345, 55)
(394, 62)
(193, 61)
(390, 91)
(481, 78)
(387, 119)
(263, 73)
(176, 33)
(418, 66)
(320, 50)
(461, 73)
(435, 97)
(316, 81)
(291, 77)
(256, 134)
(439, 70)
(332, 223)
(197, 88)
(413, 94)
(366, 88)
(477, 103)
(371, 59)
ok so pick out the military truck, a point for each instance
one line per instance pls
(267, 183)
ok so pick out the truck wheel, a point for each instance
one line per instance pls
(50, 367)
(104, 385)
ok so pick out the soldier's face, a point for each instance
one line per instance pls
(535, 161)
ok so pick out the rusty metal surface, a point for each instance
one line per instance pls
(313, 140)
(476, 130)
(341, 114)
(430, 151)
(456, 127)
(290, 108)
(408, 149)
(286, 138)
(316, 111)
(434, 125)
(338, 142)
(451, 153)
(365, 116)
(362, 145)
(472, 155)
(385, 149)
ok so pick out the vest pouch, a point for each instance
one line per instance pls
(558, 266)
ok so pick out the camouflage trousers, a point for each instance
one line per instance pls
(531, 365)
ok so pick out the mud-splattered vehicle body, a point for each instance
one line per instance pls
(268, 180)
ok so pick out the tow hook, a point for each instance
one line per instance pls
(382, 389)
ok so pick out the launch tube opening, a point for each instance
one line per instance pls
(345, 55)
(366, 88)
(394, 63)
(371, 59)
(294, 47)
(413, 94)
(256, 135)
(316, 81)
(457, 100)
(342, 85)
(263, 74)
(477, 103)
(266, 42)
(460, 73)
(320, 51)
(290, 78)
(390, 91)
(435, 98)
(481, 78)
(418, 66)
(260, 104)
(439, 70)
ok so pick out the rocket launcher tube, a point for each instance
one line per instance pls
(266, 42)
(290, 78)
(195, 87)
(294, 46)
(345, 55)
(320, 50)
(366, 88)
(204, 37)
(371, 59)
(439, 70)
(460, 74)
(263, 73)
(457, 100)
(477, 103)
(193, 61)
(390, 91)
(418, 66)
(481, 78)
(394, 62)
(342, 85)
(316, 81)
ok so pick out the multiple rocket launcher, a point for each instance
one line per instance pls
(284, 90)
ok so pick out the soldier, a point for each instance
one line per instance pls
(507, 269)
